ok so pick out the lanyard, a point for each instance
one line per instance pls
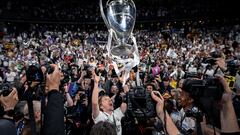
(114, 121)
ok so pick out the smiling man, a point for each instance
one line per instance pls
(103, 109)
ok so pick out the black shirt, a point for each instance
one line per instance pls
(7, 127)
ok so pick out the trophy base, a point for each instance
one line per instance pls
(122, 50)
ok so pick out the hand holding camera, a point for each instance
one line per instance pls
(227, 95)
(9, 102)
(221, 63)
(228, 117)
(53, 80)
(66, 88)
(156, 96)
(169, 126)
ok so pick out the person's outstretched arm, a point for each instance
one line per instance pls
(95, 106)
(68, 96)
(7, 124)
(54, 113)
(123, 106)
(227, 114)
(171, 128)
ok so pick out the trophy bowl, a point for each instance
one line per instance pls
(120, 16)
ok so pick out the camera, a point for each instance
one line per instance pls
(210, 61)
(34, 72)
(191, 75)
(5, 89)
(140, 103)
(206, 95)
(82, 97)
(208, 88)
(66, 77)
(194, 112)
(233, 67)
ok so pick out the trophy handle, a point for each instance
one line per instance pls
(103, 15)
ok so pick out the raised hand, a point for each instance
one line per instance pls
(160, 101)
(95, 77)
(9, 101)
(53, 79)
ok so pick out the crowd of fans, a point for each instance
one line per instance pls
(88, 11)
(167, 57)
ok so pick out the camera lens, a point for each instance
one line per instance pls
(6, 90)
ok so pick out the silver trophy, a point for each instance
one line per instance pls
(119, 17)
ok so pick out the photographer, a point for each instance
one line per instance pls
(228, 118)
(103, 110)
(214, 65)
(186, 123)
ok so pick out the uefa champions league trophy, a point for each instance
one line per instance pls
(119, 17)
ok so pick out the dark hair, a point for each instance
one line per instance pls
(169, 106)
(186, 85)
(103, 128)
(150, 84)
(166, 78)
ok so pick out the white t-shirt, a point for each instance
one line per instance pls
(114, 118)
(10, 76)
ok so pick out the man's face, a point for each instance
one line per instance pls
(106, 104)
(185, 99)
(114, 89)
(149, 88)
(180, 83)
(87, 81)
(179, 69)
(166, 83)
